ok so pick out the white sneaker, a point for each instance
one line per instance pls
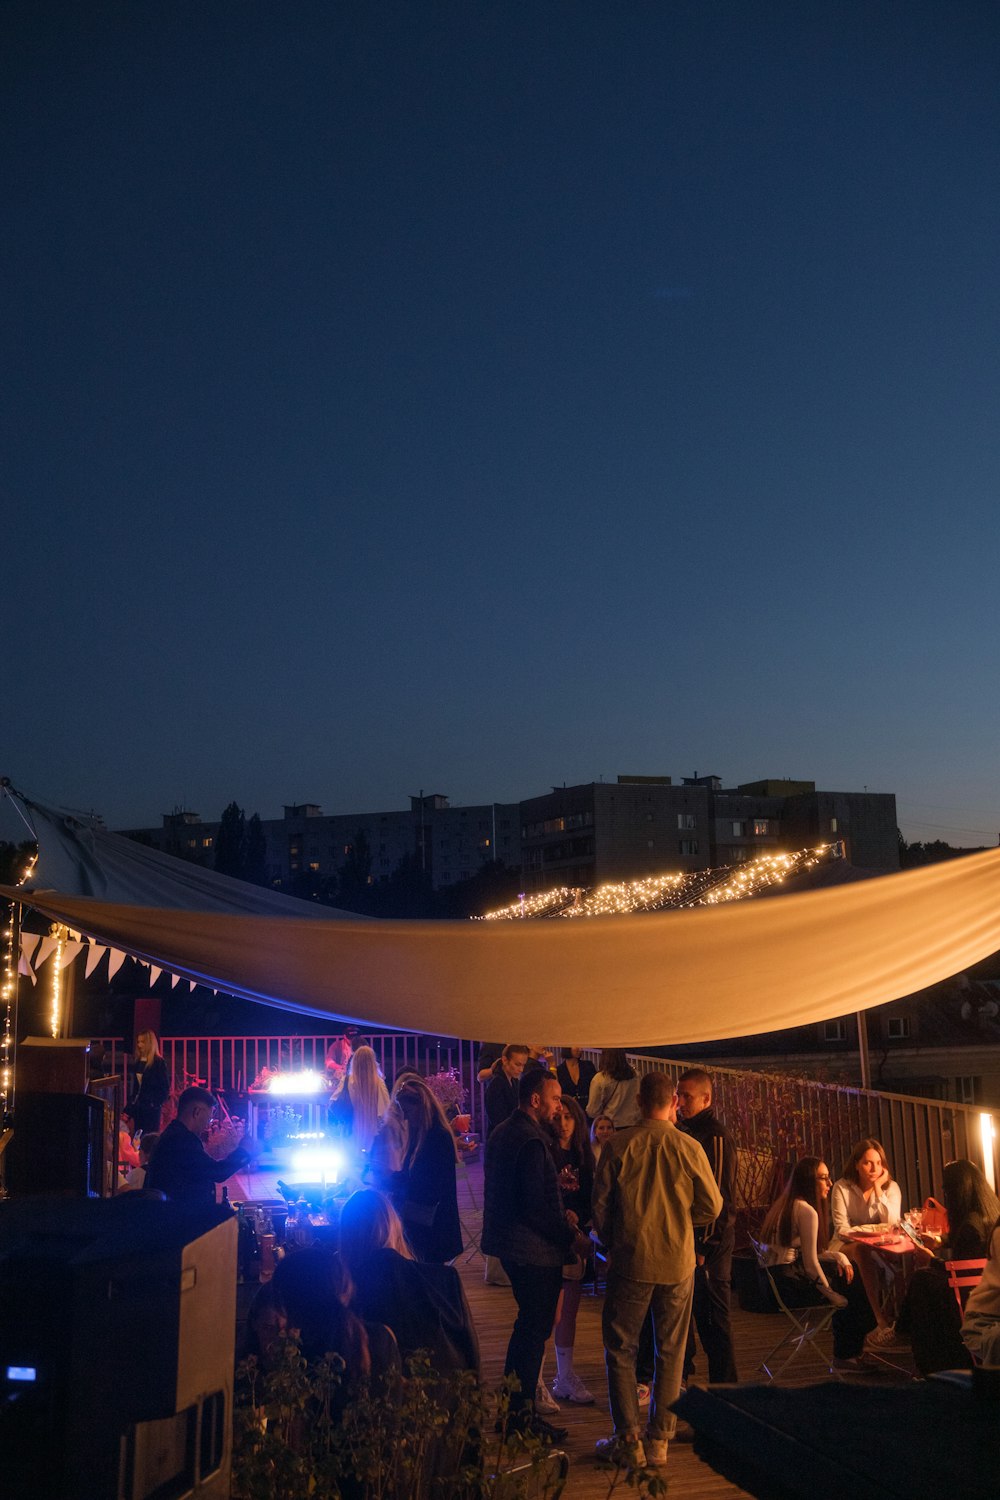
(882, 1338)
(656, 1452)
(570, 1387)
(544, 1401)
(627, 1453)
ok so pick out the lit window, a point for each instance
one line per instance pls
(314, 865)
(763, 825)
(192, 843)
(206, 843)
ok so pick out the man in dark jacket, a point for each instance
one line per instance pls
(711, 1313)
(525, 1224)
(180, 1166)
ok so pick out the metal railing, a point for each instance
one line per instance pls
(775, 1118)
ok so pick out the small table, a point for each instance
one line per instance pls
(895, 1251)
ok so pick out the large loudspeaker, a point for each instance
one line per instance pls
(117, 1336)
(57, 1145)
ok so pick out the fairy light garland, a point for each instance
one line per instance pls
(55, 1003)
(664, 892)
(8, 995)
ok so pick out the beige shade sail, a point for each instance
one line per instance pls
(657, 979)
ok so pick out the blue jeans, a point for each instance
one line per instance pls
(625, 1306)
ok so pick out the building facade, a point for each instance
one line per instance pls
(576, 836)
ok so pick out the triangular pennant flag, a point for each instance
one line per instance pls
(46, 947)
(94, 955)
(24, 967)
(69, 952)
(115, 961)
(29, 942)
(174, 979)
(191, 984)
(154, 974)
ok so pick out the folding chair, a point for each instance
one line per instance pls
(807, 1325)
(469, 1220)
(963, 1275)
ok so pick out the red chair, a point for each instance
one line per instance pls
(963, 1275)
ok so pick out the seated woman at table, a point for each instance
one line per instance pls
(930, 1317)
(866, 1194)
(806, 1269)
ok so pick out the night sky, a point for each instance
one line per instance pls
(475, 397)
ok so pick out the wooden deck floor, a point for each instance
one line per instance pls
(493, 1309)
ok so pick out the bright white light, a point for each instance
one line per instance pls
(295, 1083)
(317, 1163)
(986, 1135)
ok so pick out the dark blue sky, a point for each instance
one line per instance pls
(480, 396)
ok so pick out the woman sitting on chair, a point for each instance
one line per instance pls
(866, 1194)
(805, 1271)
(930, 1316)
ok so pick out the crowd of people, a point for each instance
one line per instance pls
(582, 1163)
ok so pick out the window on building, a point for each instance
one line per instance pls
(206, 843)
(833, 825)
(686, 820)
(966, 1090)
(834, 1031)
(192, 843)
(765, 825)
(739, 828)
(314, 866)
(649, 817)
(897, 1028)
(650, 844)
(689, 846)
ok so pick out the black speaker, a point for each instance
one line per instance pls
(116, 1349)
(57, 1145)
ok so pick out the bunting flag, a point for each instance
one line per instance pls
(29, 942)
(95, 953)
(154, 974)
(46, 947)
(115, 960)
(174, 980)
(69, 952)
(24, 967)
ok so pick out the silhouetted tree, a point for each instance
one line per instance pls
(354, 887)
(231, 843)
(494, 884)
(255, 866)
(14, 859)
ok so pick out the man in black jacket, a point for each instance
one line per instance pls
(711, 1312)
(525, 1224)
(180, 1166)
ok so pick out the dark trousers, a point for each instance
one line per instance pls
(536, 1291)
(711, 1314)
(850, 1323)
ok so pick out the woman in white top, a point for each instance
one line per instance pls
(806, 1271)
(614, 1090)
(866, 1194)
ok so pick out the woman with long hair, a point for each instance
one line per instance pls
(575, 1074)
(601, 1131)
(805, 1268)
(614, 1090)
(866, 1194)
(930, 1316)
(150, 1084)
(414, 1160)
(363, 1100)
(574, 1161)
(423, 1304)
(981, 1324)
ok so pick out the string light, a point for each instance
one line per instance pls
(665, 892)
(59, 933)
(8, 994)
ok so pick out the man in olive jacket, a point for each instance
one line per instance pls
(526, 1225)
(653, 1186)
